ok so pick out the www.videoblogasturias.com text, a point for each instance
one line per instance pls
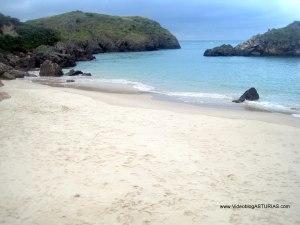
(255, 206)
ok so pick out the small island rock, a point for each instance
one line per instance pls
(275, 42)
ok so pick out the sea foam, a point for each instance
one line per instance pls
(269, 107)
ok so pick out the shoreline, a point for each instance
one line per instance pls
(202, 99)
(71, 156)
(126, 96)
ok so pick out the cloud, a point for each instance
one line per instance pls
(193, 19)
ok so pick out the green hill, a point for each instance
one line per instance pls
(112, 33)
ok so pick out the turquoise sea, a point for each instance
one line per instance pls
(186, 75)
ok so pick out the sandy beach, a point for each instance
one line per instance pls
(77, 157)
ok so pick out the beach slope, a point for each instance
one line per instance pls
(69, 157)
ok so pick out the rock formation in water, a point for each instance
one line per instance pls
(250, 95)
(275, 42)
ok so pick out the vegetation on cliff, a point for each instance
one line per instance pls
(275, 42)
(111, 33)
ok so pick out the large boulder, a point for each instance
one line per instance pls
(73, 72)
(50, 69)
(250, 95)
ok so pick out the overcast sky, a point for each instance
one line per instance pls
(187, 19)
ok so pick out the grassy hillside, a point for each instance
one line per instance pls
(130, 31)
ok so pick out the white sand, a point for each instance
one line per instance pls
(69, 157)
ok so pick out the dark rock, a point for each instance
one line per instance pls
(1, 84)
(8, 73)
(76, 72)
(69, 81)
(86, 57)
(7, 76)
(49, 68)
(81, 51)
(250, 95)
(4, 68)
(53, 54)
(3, 58)
(223, 50)
(5, 72)
(86, 74)
(31, 75)
(73, 72)
(18, 73)
(27, 62)
(93, 47)
(63, 60)
(12, 59)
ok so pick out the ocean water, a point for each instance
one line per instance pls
(186, 75)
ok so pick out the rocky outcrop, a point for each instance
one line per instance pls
(50, 69)
(64, 54)
(80, 51)
(73, 72)
(4, 68)
(7, 76)
(86, 74)
(276, 42)
(13, 74)
(7, 72)
(250, 95)
(19, 73)
(222, 50)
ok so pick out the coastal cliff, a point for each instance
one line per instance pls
(76, 36)
(109, 33)
(275, 42)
